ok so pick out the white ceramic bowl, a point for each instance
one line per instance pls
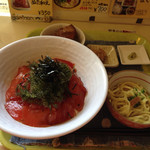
(89, 68)
(134, 76)
(51, 29)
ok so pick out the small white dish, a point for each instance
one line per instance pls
(141, 55)
(111, 56)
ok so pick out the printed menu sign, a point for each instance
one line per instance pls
(33, 10)
(130, 8)
(42, 10)
(99, 6)
(3, 7)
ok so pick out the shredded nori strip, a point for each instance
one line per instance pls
(48, 82)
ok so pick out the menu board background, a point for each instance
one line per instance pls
(104, 11)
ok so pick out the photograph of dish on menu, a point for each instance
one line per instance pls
(67, 3)
(124, 7)
(20, 4)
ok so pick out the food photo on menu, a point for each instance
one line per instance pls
(124, 7)
(20, 4)
(67, 3)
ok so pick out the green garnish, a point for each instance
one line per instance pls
(137, 104)
(48, 81)
(131, 97)
(132, 56)
(137, 93)
(143, 91)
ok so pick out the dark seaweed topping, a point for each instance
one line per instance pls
(48, 82)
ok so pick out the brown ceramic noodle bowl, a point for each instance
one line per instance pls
(132, 76)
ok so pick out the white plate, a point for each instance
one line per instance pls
(111, 60)
(141, 54)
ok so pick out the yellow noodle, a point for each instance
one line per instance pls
(119, 98)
